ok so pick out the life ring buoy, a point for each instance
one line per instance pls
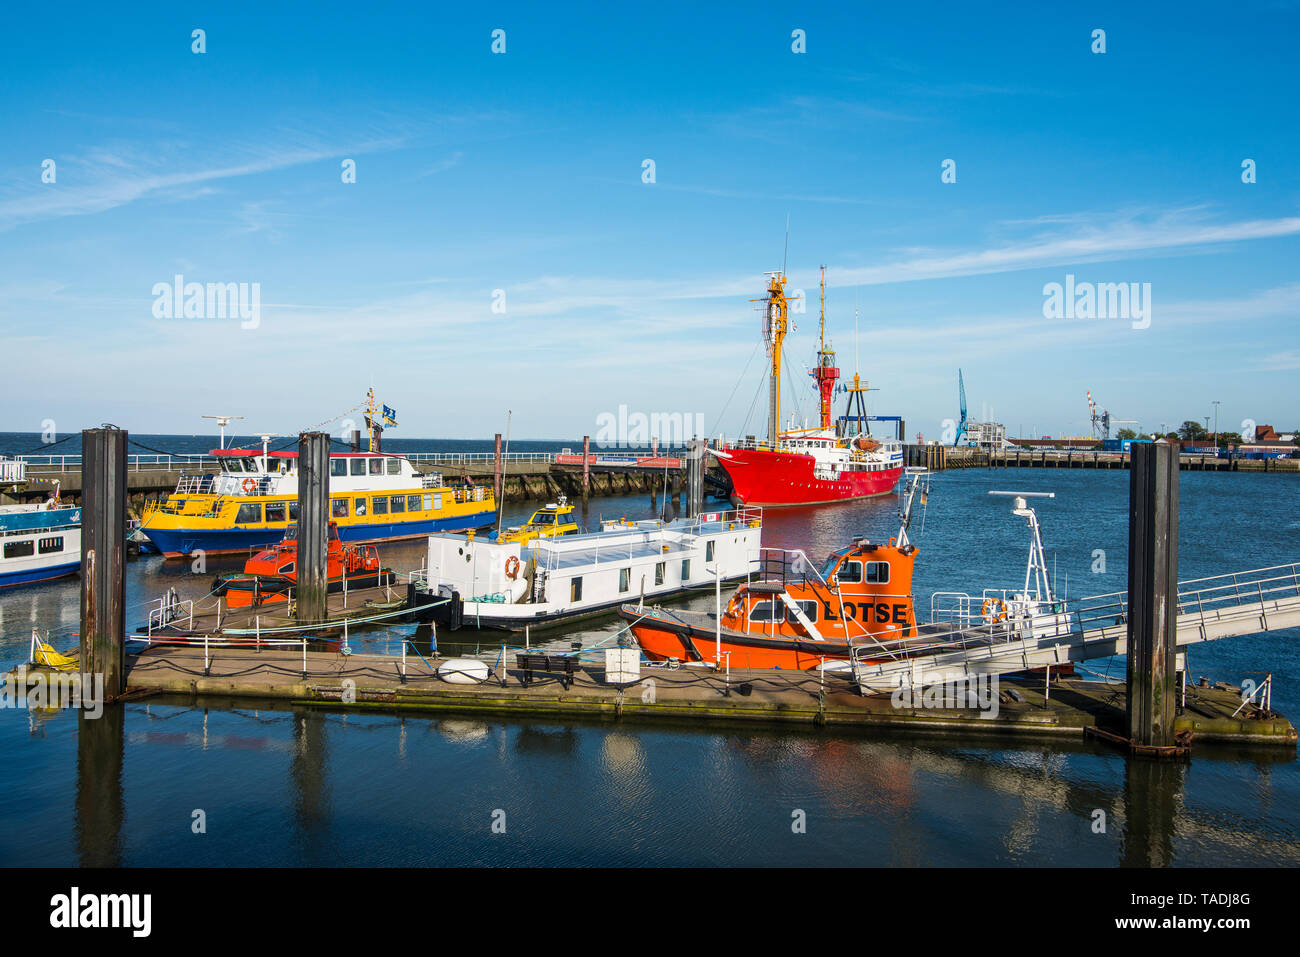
(512, 567)
(250, 485)
(994, 610)
(733, 607)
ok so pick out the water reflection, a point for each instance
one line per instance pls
(100, 809)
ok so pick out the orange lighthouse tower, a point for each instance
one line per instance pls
(826, 373)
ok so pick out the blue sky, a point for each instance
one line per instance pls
(523, 171)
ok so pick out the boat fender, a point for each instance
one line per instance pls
(512, 567)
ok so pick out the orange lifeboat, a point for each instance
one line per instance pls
(271, 574)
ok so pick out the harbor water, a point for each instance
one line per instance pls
(279, 786)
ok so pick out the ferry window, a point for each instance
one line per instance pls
(850, 572)
(293, 511)
(766, 611)
(380, 505)
(412, 503)
(358, 466)
(20, 549)
(878, 573)
(51, 545)
(275, 511)
(338, 466)
(339, 508)
(249, 513)
(397, 503)
(686, 568)
(575, 589)
(708, 550)
(659, 572)
(624, 579)
(359, 506)
(393, 466)
(428, 503)
(376, 466)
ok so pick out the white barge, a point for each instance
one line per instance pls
(475, 582)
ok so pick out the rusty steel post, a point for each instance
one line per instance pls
(586, 468)
(103, 552)
(1152, 595)
(313, 526)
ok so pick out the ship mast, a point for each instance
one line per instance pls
(775, 326)
(826, 373)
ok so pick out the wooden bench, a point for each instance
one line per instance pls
(563, 666)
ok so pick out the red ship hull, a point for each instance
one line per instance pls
(774, 479)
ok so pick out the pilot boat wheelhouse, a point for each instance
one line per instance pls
(271, 575)
(38, 542)
(252, 497)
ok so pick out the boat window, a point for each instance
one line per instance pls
(686, 569)
(393, 466)
(338, 466)
(339, 507)
(624, 579)
(575, 589)
(291, 533)
(275, 511)
(380, 505)
(293, 511)
(428, 503)
(249, 513)
(708, 550)
(659, 572)
(809, 609)
(286, 569)
(376, 466)
(878, 573)
(397, 503)
(358, 466)
(20, 549)
(51, 545)
(359, 506)
(412, 503)
(850, 572)
(766, 611)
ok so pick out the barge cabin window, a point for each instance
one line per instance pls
(659, 572)
(575, 589)
(624, 579)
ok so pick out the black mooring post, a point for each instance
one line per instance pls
(313, 526)
(99, 806)
(1152, 595)
(103, 553)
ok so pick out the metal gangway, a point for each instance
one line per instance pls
(1221, 606)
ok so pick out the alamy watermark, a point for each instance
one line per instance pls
(39, 691)
(978, 691)
(1102, 300)
(179, 299)
(636, 430)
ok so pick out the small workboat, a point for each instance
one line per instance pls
(271, 574)
(551, 521)
(41, 541)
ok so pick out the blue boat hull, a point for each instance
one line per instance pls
(181, 542)
(10, 579)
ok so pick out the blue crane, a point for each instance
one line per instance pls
(961, 426)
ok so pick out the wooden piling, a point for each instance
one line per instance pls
(103, 553)
(586, 468)
(313, 526)
(498, 476)
(1152, 596)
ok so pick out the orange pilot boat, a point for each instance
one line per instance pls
(270, 575)
(795, 616)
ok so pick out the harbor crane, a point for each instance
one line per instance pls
(961, 426)
(1101, 421)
